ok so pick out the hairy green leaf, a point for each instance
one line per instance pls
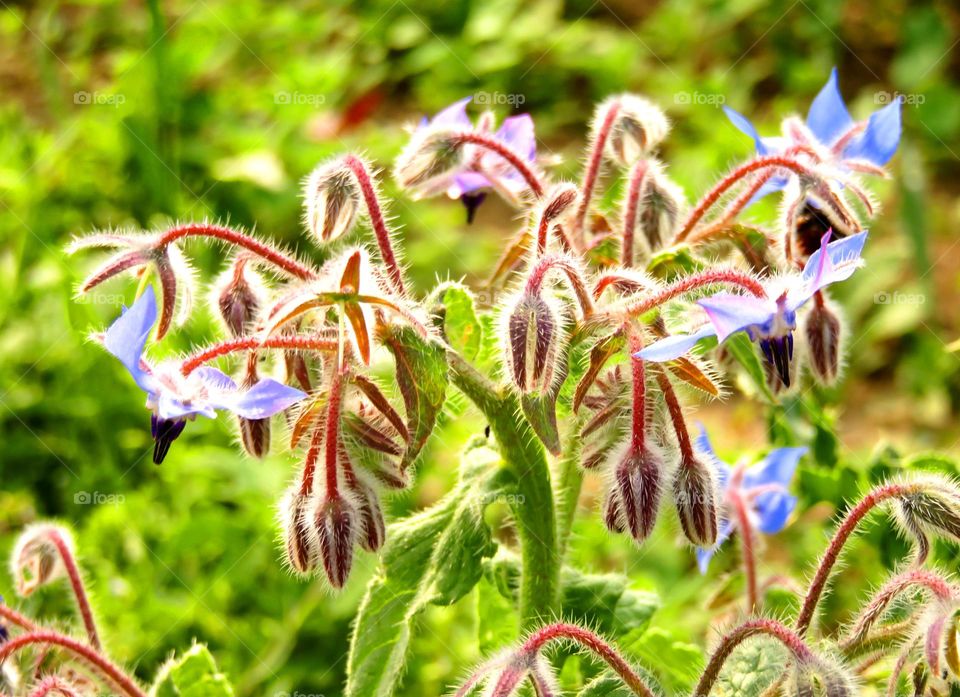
(194, 674)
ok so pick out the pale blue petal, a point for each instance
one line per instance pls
(466, 183)
(705, 555)
(454, 116)
(169, 407)
(264, 399)
(127, 336)
(674, 346)
(518, 133)
(731, 313)
(216, 378)
(776, 468)
(880, 138)
(833, 262)
(828, 117)
(703, 444)
(744, 125)
(773, 510)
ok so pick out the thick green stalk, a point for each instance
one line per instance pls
(534, 510)
(569, 476)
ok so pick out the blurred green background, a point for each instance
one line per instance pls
(128, 114)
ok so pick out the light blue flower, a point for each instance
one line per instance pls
(762, 489)
(769, 320)
(852, 144)
(174, 398)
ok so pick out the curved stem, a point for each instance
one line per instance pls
(286, 342)
(378, 222)
(676, 417)
(587, 639)
(76, 584)
(928, 580)
(638, 175)
(54, 684)
(592, 171)
(235, 237)
(14, 617)
(751, 628)
(535, 518)
(685, 285)
(849, 524)
(539, 273)
(747, 551)
(102, 665)
(757, 164)
(507, 153)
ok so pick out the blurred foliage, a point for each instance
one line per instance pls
(117, 114)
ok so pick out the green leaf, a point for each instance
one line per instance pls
(672, 262)
(498, 624)
(461, 327)
(192, 675)
(741, 348)
(422, 378)
(434, 557)
(541, 412)
(676, 663)
(751, 669)
(606, 685)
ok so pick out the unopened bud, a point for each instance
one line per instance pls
(239, 297)
(533, 343)
(254, 433)
(36, 560)
(934, 507)
(559, 200)
(694, 493)
(370, 512)
(336, 523)
(639, 482)
(300, 543)
(639, 127)
(332, 200)
(613, 512)
(659, 206)
(431, 154)
(823, 331)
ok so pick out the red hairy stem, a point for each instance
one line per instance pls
(76, 584)
(247, 343)
(15, 618)
(614, 278)
(638, 423)
(676, 417)
(310, 461)
(592, 170)
(746, 548)
(332, 435)
(757, 164)
(857, 513)
(793, 642)
(235, 237)
(735, 207)
(594, 644)
(844, 140)
(922, 578)
(698, 280)
(378, 223)
(54, 684)
(103, 666)
(539, 273)
(637, 175)
(507, 153)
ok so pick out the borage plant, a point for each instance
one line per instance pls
(609, 324)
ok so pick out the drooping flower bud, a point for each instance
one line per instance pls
(332, 200)
(430, 154)
(638, 480)
(254, 433)
(373, 528)
(934, 507)
(659, 207)
(639, 127)
(613, 512)
(337, 528)
(533, 332)
(239, 296)
(823, 330)
(695, 495)
(559, 201)
(301, 547)
(36, 561)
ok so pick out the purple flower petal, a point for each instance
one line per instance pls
(264, 399)
(169, 407)
(704, 445)
(453, 116)
(731, 313)
(880, 138)
(704, 555)
(828, 117)
(518, 133)
(674, 346)
(833, 262)
(127, 336)
(776, 468)
(467, 183)
(216, 378)
(773, 509)
(744, 125)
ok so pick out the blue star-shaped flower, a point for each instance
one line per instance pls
(174, 398)
(762, 488)
(770, 320)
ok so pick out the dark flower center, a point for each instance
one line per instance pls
(164, 432)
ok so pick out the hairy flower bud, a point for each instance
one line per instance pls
(659, 206)
(559, 200)
(254, 433)
(934, 508)
(332, 200)
(240, 294)
(370, 512)
(533, 332)
(301, 546)
(613, 512)
(694, 492)
(337, 528)
(639, 127)
(430, 155)
(823, 331)
(638, 481)
(36, 561)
